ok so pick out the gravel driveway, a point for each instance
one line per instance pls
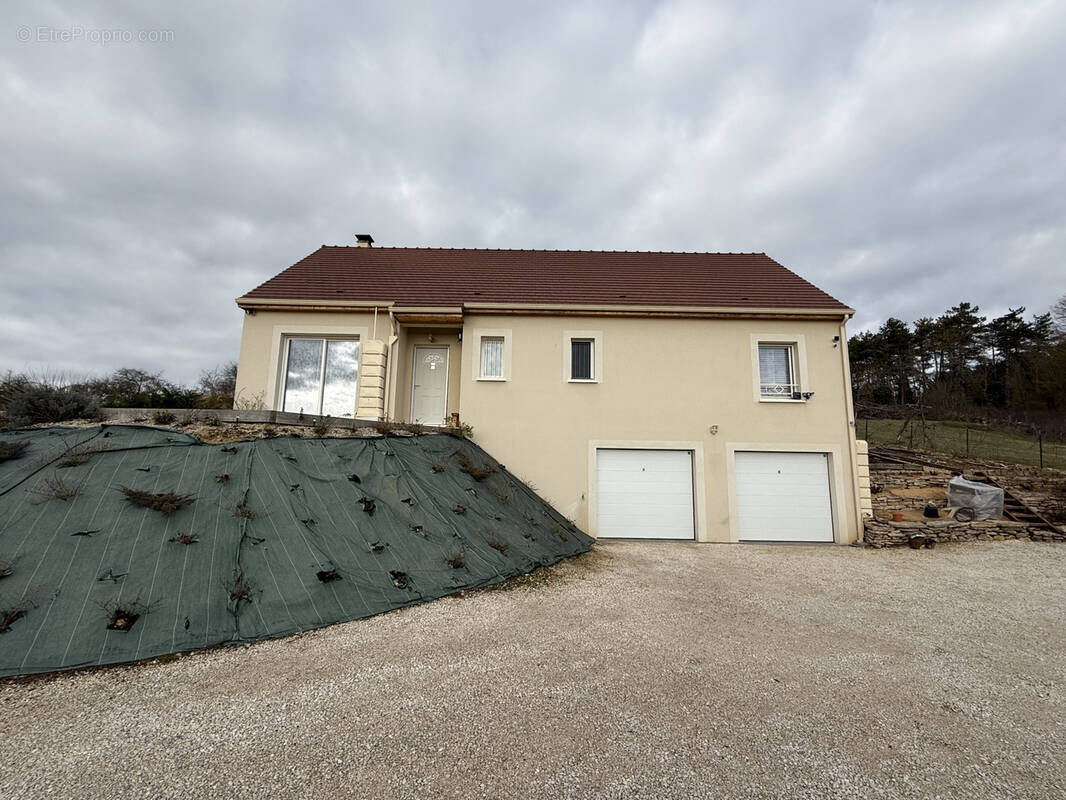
(653, 670)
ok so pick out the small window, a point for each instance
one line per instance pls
(492, 357)
(582, 367)
(321, 376)
(777, 372)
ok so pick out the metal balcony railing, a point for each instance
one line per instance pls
(780, 391)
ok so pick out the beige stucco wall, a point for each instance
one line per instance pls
(662, 381)
(258, 376)
(405, 353)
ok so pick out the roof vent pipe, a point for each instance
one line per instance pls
(364, 240)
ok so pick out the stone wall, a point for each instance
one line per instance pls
(879, 533)
(884, 477)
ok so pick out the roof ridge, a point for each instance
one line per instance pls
(555, 250)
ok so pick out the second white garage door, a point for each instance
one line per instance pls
(644, 494)
(783, 497)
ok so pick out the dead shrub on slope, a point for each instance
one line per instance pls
(55, 488)
(471, 469)
(79, 454)
(9, 451)
(166, 503)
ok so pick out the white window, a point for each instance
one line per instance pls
(777, 371)
(321, 376)
(582, 360)
(583, 356)
(492, 357)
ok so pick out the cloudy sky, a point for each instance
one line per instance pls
(159, 159)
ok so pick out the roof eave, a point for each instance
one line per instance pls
(263, 303)
(569, 309)
(740, 311)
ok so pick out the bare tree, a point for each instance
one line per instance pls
(217, 385)
(1058, 313)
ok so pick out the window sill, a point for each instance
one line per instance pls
(780, 400)
(583, 380)
(493, 380)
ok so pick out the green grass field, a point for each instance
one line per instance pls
(962, 438)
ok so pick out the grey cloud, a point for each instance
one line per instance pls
(903, 156)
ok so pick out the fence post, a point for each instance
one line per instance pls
(967, 441)
(1040, 442)
(867, 429)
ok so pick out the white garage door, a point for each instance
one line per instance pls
(783, 497)
(644, 494)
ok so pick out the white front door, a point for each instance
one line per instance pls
(644, 494)
(429, 391)
(783, 497)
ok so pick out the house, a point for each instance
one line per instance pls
(689, 396)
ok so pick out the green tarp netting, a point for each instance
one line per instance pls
(283, 535)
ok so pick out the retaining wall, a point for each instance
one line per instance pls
(879, 533)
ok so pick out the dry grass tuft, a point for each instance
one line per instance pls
(56, 488)
(166, 503)
(164, 417)
(244, 512)
(9, 451)
(501, 492)
(471, 469)
(79, 454)
(240, 588)
(9, 616)
(456, 560)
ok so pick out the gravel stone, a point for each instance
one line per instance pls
(640, 670)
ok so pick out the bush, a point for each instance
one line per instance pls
(217, 386)
(136, 388)
(43, 403)
(163, 417)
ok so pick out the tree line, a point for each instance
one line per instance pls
(961, 364)
(27, 399)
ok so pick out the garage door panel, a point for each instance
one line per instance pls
(783, 496)
(644, 494)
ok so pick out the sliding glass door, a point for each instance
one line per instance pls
(321, 376)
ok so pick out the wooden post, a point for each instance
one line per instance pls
(967, 441)
(1040, 443)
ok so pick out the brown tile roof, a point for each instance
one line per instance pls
(454, 277)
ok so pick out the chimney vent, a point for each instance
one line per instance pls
(364, 240)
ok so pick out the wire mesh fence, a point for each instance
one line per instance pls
(965, 439)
